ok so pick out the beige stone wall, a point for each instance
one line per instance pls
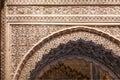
(26, 23)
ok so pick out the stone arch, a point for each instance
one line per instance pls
(58, 33)
(70, 59)
(87, 50)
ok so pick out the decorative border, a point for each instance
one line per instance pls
(66, 19)
(63, 10)
(64, 2)
(3, 73)
(3, 45)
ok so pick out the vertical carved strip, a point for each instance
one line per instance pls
(2, 39)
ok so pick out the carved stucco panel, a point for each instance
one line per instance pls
(64, 39)
(24, 36)
(113, 30)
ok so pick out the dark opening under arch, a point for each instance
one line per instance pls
(87, 50)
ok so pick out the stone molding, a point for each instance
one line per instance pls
(63, 10)
(64, 2)
(63, 14)
(66, 19)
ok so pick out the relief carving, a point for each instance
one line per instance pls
(64, 2)
(63, 10)
(66, 19)
(23, 37)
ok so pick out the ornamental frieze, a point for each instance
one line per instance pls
(64, 2)
(66, 19)
(63, 10)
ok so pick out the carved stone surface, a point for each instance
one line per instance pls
(80, 48)
(63, 38)
(113, 31)
(19, 31)
(64, 2)
(63, 10)
(2, 43)
(66, 19)
(22, 39)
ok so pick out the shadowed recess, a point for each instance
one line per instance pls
(80, 48)
(2, 3)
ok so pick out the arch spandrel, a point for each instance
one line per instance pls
(63, 36)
